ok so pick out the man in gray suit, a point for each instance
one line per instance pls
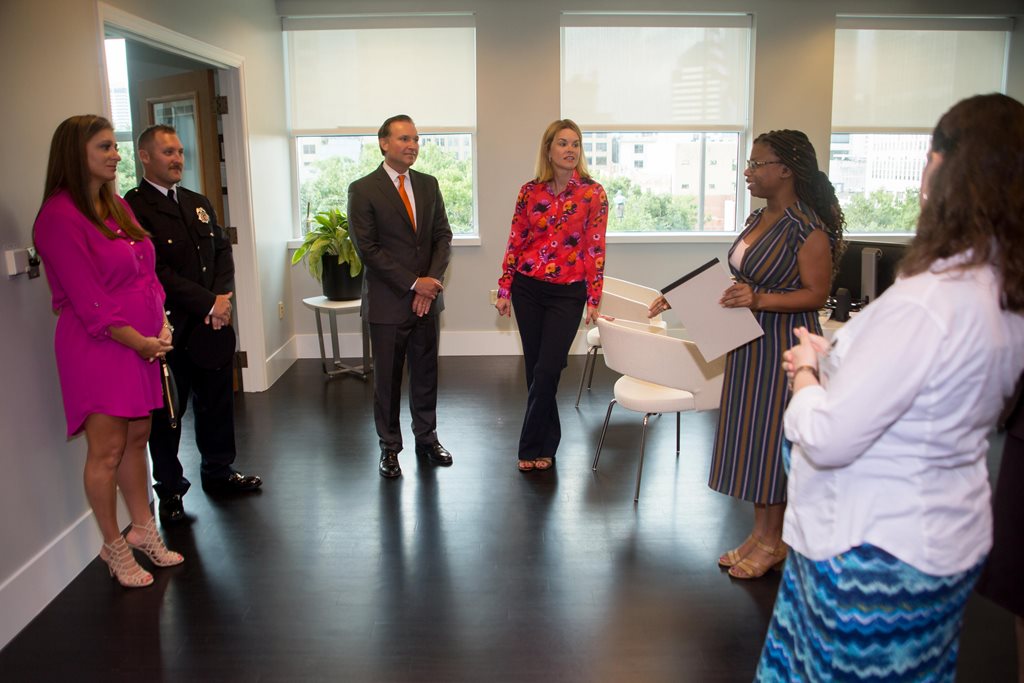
(400, 229)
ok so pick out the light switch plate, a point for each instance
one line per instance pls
(16, 261)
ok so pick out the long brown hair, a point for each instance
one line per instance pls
(811, 184)
(68, 169)
(975, 197)
(544, 170)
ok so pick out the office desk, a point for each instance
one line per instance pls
(321, 304)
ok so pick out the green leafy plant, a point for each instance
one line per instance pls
(328, 236)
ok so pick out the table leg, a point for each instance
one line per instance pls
(334, 338)
(320, 339)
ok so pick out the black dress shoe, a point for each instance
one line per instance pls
(389, 467)
(434, 452)
(172, 510)
(236, 482)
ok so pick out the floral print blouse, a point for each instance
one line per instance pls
(558, 239)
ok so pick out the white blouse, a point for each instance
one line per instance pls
(891, 449)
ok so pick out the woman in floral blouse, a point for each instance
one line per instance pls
(553, 267)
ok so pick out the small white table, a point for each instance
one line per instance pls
(333, 308)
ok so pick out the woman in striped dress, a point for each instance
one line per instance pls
(889, 516)
(783, 263)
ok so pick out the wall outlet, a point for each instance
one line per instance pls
(280, 310)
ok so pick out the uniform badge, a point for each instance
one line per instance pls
(203, 216)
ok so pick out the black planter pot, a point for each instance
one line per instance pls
(339, 285)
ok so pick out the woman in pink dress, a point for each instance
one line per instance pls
(111, 329)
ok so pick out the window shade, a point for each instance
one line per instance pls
(356, 78)
(675, 77)
(906, 79)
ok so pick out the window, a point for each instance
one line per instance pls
(325, 176)
(120, 108)
(341, 90)
(882, 117)
(669, 94)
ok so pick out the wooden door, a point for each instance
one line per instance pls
(188, 101)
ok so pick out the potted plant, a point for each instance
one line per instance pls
(331, 257)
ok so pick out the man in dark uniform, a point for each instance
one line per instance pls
(195, 267)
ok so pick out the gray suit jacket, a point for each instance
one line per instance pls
(394, 254)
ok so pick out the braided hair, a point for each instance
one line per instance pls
(811, 184)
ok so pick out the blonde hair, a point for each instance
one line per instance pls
(544, 171)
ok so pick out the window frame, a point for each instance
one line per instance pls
(744, 20)
(865, 22)
(292, 25)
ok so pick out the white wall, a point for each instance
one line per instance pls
(50, 70)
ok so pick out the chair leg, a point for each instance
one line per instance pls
(640, 464)
(593, 364)
(590, 360)
(604, 430)
(677, 435)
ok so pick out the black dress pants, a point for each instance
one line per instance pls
(415, 340)
(548, 316)
(212, 396)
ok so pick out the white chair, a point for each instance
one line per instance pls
(660, 375)
(621, 300)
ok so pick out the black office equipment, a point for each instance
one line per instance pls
(841, 312)
(867, 269)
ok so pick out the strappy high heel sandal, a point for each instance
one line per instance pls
(748, 568)
(153, 546)
(122, 565)
(730, 558)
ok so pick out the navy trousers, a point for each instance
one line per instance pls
(548, 315)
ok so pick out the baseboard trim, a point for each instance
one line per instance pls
(279, 361)
(455, 343)
(31, 588)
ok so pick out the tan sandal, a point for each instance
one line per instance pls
(526, 465)
(748, 568)
(122, 565)
(544, 463)
(730, 558)
(153, 546)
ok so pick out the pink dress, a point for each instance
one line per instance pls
(98, 283)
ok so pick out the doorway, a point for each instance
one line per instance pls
(149, 85)
(230, 81)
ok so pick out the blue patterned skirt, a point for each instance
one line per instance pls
(863, 615)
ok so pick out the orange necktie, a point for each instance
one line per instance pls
(405, 200)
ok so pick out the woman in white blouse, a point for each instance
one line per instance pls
(889, 517)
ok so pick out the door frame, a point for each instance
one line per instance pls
(231, 85)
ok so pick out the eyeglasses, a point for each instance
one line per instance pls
(754, 165)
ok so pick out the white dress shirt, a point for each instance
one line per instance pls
(891, 449)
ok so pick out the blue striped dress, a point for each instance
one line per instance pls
(747, 460)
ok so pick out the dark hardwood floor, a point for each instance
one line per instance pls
(470, 573)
